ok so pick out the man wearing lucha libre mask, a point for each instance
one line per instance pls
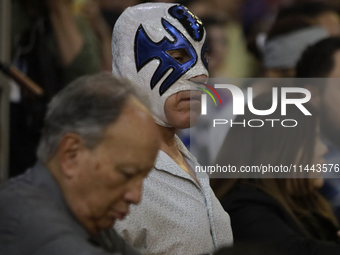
(161, 49)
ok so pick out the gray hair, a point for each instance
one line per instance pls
(86, 107)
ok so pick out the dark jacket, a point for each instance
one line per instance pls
(257, 217)
(35, 220)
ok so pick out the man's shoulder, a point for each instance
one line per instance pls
(29, 218)
(33, 222)
(26, 203)
(19, 193)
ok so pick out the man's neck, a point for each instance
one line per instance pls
(168, 139)
(169, 147)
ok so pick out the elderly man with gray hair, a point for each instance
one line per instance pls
(98, 144)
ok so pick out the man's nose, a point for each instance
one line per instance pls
(199, 78)
(134, 192)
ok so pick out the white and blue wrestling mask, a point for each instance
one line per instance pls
(142, 38)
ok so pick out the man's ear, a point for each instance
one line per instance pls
(71, 148)
(316, 95)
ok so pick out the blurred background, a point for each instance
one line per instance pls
(55, 41)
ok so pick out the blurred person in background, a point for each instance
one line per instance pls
(289, 15)
(283, 46)
(102, 15)
(322, 60)
(162, 49)
(257, 18)
(112, 9)
(325, 15)
(286, 212)
(238, 62)
(92, 12)
(280, 50)
(217, 41)
(98, 144)
(286, 41)
(52, 47)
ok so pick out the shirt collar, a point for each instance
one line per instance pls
(167, 164)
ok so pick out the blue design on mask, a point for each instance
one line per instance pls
(146, 50)
(190, 21)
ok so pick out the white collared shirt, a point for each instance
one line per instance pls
(176, 215)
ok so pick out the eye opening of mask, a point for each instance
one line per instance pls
(180, 55)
